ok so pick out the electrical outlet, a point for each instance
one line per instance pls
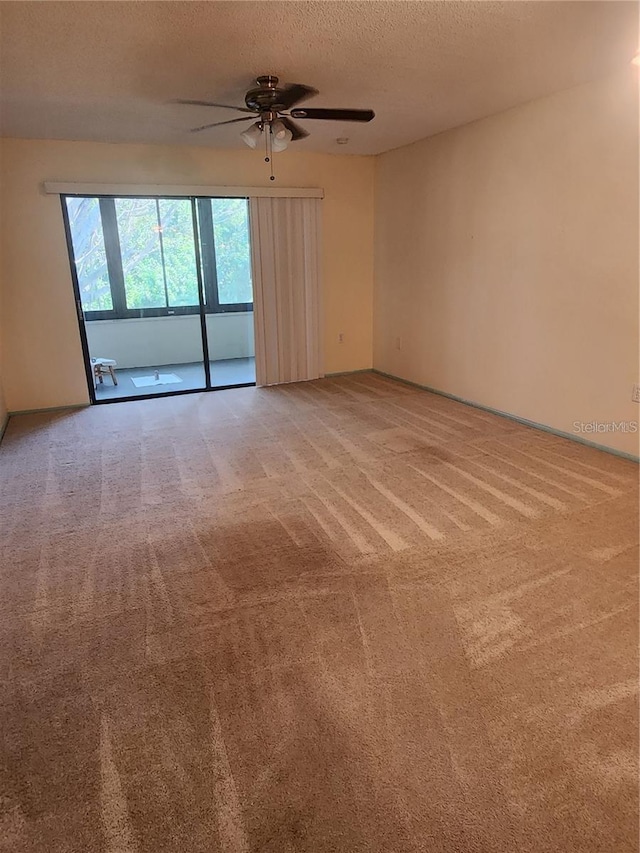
(341, 338)
(398, 342)
(635, 395)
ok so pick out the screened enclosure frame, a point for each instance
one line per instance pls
(113, 253)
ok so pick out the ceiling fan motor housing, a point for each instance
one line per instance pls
(266, 97)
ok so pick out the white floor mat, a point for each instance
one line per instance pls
(148, 381)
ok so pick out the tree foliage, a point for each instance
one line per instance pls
(89, 253)
(233, 255)
(149, 230)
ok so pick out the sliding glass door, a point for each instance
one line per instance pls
(164, 293)
(226, 267)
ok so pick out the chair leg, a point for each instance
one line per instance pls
(113, 374)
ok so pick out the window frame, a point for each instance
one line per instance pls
(111, 236)
(209, 268)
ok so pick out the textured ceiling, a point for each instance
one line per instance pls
(105, 70)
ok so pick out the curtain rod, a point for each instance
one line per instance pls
(168, 190)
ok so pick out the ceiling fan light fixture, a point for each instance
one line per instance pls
(281, 136)
(278, 145)
(251, 136)
(279, 131)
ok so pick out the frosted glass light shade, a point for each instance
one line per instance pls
(252, 135)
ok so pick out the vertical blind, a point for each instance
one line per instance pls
(286, 246)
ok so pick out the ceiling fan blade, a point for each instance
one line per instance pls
(294, 93)
(218, 123)
(297, 132)
(334, 115)
(210, 104)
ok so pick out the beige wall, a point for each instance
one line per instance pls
(3, 405)
(507, 260)
(42, 355)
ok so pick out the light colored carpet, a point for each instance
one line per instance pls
(341, 616)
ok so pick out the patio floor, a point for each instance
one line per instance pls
(231, 371)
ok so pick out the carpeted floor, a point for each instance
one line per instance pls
(341, 616)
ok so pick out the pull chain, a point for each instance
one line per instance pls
(268, 149)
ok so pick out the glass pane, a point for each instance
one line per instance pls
(179, 251)
(89, 252)
(233, 252)
(139, 234)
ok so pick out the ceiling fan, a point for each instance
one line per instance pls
(275, 108)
